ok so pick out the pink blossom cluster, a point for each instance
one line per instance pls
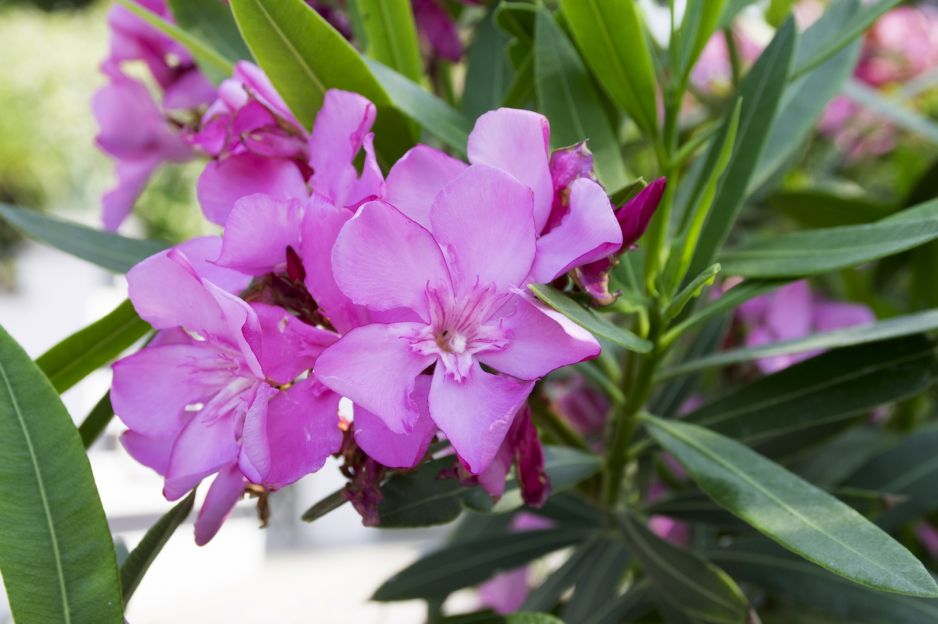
(405, 294)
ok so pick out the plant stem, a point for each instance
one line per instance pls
(555, 424)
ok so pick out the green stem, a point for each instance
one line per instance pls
(547, 417)
(736, 64)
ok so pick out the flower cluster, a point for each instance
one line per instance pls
(405, 294)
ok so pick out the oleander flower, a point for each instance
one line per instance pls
(226, 387)
(454, 296)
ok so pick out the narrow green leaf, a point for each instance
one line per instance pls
(589, 319)
(909, 469)
(699, 23)
(391, 35)
(433, 114)
(548, 594)
(828, 46)
(777, 571)
(761, 93)
(892, 110)
(611, 36)
(325, 506)
(670, 399)
(489, 73)
(796, 514)
(828, 249)
(567, 96)
(96, 421)
(211, 21)
(859, 334)
(470, 562)
(56, 551)
(823, 208)
(599, 583)
(630, 606)
(212, 62)
(683, 581)
(140, 559)
(830, 388)
(110, 251)
(691, 291)
(88, 349)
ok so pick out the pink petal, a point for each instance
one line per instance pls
(483, 221)
(375, 367)
(226, 491)
(257, 233)
(790, 314)
(505, 592)
(436, 26)
(383, 260)
(635, 215)
(397, 450)
(294, 436)
(224, 182)
(588, 232)
(132, 178)
(255, 80)
(190, 90)
(152, 387)
(288, 345)
(202, 252)
(517, 141)
(532, 475)
(831, 315)
(417, 177)
(540, 340)
(476, 413)
(338, 134)
(151, 452)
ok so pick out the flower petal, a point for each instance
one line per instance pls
(476, 413)
(202, 252)
(257, 233)
(288, 345)
(517, 141)
(588, 232)
(294, 436)
(635, 215)
(132, 178)
(151, 452)
(375, 367)
(383, 260)
(226, 491)
(397, 450)
(224, 182)
(539, 340)
(483, 221)
(417, 177)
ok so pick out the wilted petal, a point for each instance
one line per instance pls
(257, 233)
(383, 260)
(417, 177)
(517, 141)
(436, 26)
(397, 450)
(376, 368)
(483, 221)
(226, 491)
(539, 340)
(294, 436)
(532, 475)
(635, 215)
(476, 413)
(589, 232)
(224, 182)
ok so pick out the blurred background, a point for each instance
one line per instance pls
(50, 51)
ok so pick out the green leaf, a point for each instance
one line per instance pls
(211, 21)
(211, 61)
(391, 35)
(909, 469)
(325, 506)
(140, 559)
(831, 388)
(834, 40)
(892, 110)
(487, 617)
(761, 93)
(490, 73)
(611, 37)
(822, 208)
(777, 571)
(858, 334)
(683, 581)
(548, 594)
(794, 513)
(96, 421)
(797, 254)
(633, 604)
(433, 114)
(700, 21)
(589, 319)
(56, 551)
(567, 96)
(691, 291)
(87, 350)
(599, 583)
(110, 251)
(468, 563)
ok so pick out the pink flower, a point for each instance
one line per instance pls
(791, 312)
(713, 71)
(901, 45)
(521, 448)
(226, 387)
(454, 295)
